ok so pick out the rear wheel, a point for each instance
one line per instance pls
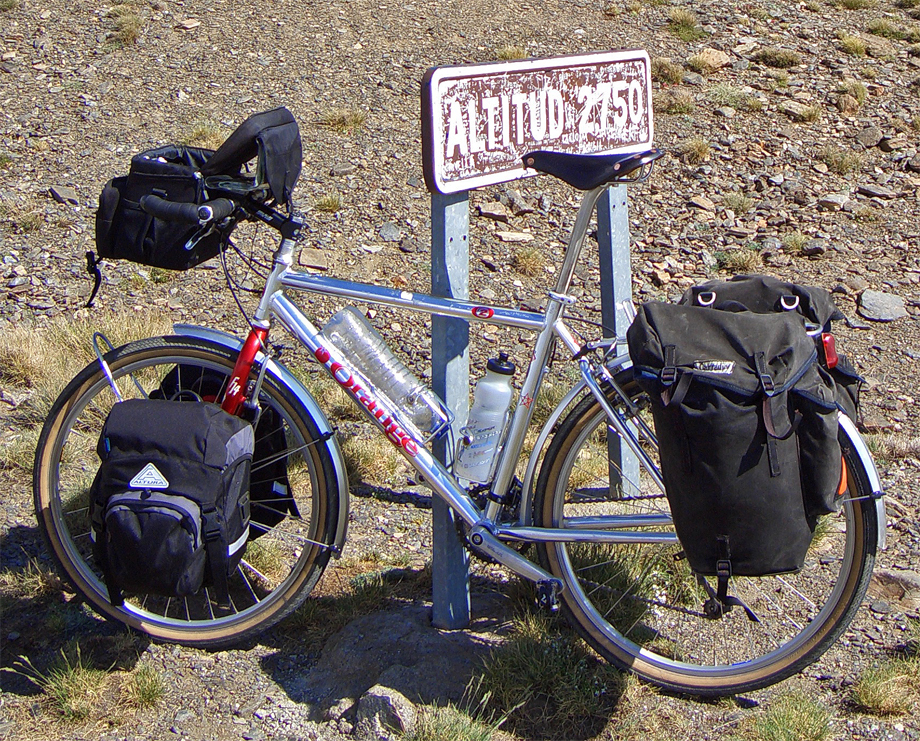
(641, 607)
(279, 568)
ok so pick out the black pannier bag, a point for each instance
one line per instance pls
(764, 294)
(185, 174)
(270, 495)
(746, 422)
(170, 502)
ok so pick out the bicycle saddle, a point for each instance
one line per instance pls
(587, 171)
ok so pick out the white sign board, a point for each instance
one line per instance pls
(478, 121)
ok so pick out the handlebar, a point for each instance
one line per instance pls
(189, 213)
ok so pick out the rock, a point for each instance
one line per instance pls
(900, 587)
(878, 47)
(313, 258)
(709, 260)
(876, 191)
(833, 201)
(345, 168)
(702, 202)
(495, 211)
(795, 110)
(514, 236)
(726, 111)
(847, 103)
(693, 78)
(64, 194)
(713, 58)
(389, 232)
(870, 137)
(814, 247)
(520, 205)
(892, 143)
(382, 710)
(856, 283)
(881, 307)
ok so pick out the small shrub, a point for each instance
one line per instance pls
(684, 24)
(777, 57)
(450, 722)
(329, 203)
(72, 687)
(793, 717)
(24, 214)
(886, 29)
(509, 53)
(855, 4)
(867, 214)
(343, 120)
(127, 25)
(907, 4)
(725, 94)
(795, 242)
(675, 102)
(915, 123)
(892, 447)
(145, 687)
(695, 150)
(854, 88)
(205, 135)
(913, 51)
(8, 5)
(737, 202)
(853, 45)
(840, 161)
(890, 689)
(5, 160)
(743, 260)
(666, 72)
(528, 260)
(701, 64)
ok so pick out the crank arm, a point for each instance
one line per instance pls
(486, 543)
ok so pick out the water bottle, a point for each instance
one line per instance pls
(483, 431)
(370, 355)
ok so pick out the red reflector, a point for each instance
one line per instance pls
(830, 349)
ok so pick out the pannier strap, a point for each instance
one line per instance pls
(760, 363)
(217, 556)
(669, 371)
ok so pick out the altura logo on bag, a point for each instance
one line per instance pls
(149, 478)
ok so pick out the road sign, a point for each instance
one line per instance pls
(478, 121)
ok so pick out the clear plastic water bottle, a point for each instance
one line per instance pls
(351, 333)
(483, 431)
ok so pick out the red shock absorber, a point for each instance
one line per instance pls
(235, 394)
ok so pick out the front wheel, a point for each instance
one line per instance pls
(641, 607)
(294, 543)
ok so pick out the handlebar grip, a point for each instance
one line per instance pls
(216, 210)
(169, 211)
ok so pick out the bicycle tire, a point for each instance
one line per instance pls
(278, 570)
(640, 607)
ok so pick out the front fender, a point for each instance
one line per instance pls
(306, 400)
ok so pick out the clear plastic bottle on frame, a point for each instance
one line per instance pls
(351, 333)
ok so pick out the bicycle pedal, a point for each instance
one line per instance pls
(548, 595)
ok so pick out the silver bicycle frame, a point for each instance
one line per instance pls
(485, 531)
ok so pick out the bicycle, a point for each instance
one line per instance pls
(603, 535)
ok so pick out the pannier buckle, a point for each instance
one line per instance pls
(724, 569)
(668, 375)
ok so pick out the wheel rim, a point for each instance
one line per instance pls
(274, 566)
(645, 607)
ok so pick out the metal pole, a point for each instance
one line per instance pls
(450, 376)
(616, 288)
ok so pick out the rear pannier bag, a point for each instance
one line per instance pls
(170, 503)
(746, 421)
(764, 294)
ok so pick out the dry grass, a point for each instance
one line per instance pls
(370, 459)
(852, 45)
(666, 72)
(725, 94)
(795, 242)
(806, 114)
(343, 120)
(773, 56)
(675, 102)
(701, 64)
(793, 717)
(529, 261)
(737, 202)
(840, 161)
(70, 686)
(25, 214)
(329, 203)
(145, 687)
(8, 5)
(510, 53)
(855, 4)
(204, 135)
(855, 89)
(742, 260)
(33, 582)
(695, 150)
(895, 446)
(128, 24)
(451, 722)
(684, 24)
(890, 689)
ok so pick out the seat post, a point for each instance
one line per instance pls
(577, 238)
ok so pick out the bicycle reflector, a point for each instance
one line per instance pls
(830, 349)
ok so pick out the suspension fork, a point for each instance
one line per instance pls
(235, 395)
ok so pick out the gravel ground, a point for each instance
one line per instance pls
(75, 106)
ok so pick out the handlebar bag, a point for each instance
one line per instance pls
(764, 294)
(746, 421)
(169, 505)
(125, 232)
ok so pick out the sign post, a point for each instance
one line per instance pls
(478, 122)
